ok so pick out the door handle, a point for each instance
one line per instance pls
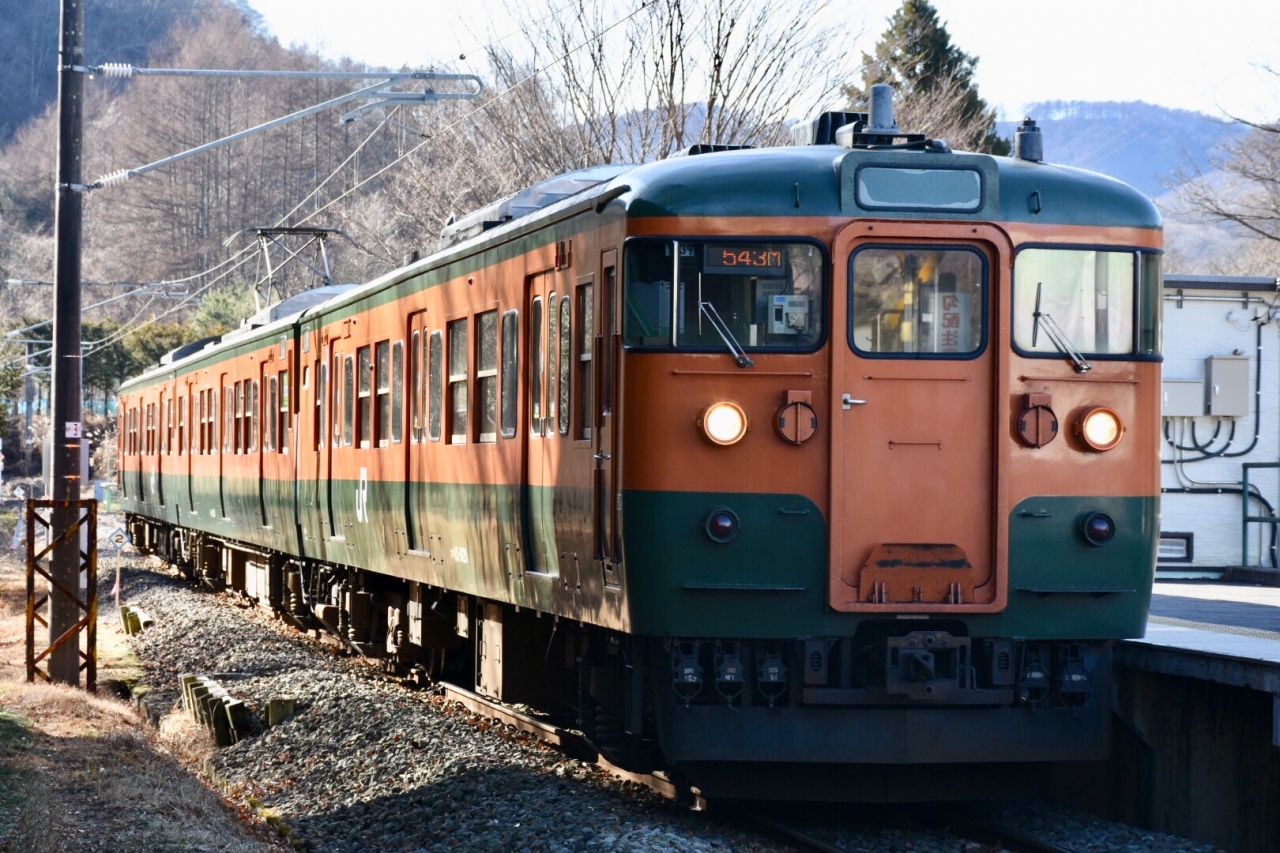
(848, 402)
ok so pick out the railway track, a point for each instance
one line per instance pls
(1003, 837)
(995, 836)
(574, 744)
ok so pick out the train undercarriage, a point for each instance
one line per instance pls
(923, 710)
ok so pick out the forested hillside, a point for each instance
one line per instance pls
(115, 31)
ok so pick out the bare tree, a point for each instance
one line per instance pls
(1238, 195)
(638, 83)
(938, 113)
(1240, 187)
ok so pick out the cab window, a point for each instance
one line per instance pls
(726, 293)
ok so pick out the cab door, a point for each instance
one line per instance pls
(608, 350)
(916, 519)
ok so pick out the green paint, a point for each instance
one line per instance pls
(684, 584)
(769, 581)
(712, 185)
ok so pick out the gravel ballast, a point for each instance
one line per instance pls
(366, 764)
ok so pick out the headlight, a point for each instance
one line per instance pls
(1097, 528)
(721, 525)
(1099, 428)
(723, 423)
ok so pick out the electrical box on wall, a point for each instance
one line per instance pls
(1182, 398)
(1226, 385)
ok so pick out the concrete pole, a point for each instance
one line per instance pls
(64, 664)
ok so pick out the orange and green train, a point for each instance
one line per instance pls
(824, 470)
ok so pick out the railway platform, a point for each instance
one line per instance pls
(1196, 745)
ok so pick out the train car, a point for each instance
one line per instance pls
(826, 470)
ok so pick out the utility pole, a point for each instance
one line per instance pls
(64, 662)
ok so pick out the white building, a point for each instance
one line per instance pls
(1221, 451)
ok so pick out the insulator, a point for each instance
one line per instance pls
(116, 69)
(117, 177)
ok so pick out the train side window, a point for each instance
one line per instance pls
(364, 390)
(397, 392)
(253, 421)
(231, 426)
(318, 410)
(535, 366)
(166, 424)
(510, 371)
(415, 398)
(284, 411)
(583, 414)
(322, 402)
(228, 416)
(566, 359)
(435, 409)
(182, 424)
(242, 417)
(487, 376)
(382, 369)
(246, 419)
(458, 381)
(552, 366)
(272, 404)
(348, 400)
(336, 438)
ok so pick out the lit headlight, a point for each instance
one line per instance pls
(1100, 428)
(723, 423)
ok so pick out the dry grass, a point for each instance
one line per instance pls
(80, 772)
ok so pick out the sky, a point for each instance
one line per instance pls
(1210, 56)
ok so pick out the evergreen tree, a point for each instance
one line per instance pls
(932, 78)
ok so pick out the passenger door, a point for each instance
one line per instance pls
(541, 398)
(914, 481)
(416, 499)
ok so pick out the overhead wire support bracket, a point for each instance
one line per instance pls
(376, 93)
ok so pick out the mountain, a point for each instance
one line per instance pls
(1138, 143)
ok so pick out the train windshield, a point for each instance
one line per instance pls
(1100, 302)
(729, 293)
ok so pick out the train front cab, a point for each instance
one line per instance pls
(936, 581)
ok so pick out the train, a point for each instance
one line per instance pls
(823, 470)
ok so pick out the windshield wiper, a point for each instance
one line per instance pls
(1056, 336)
(706, 309)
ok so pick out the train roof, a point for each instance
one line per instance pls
(798, 181)
(823, 180)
